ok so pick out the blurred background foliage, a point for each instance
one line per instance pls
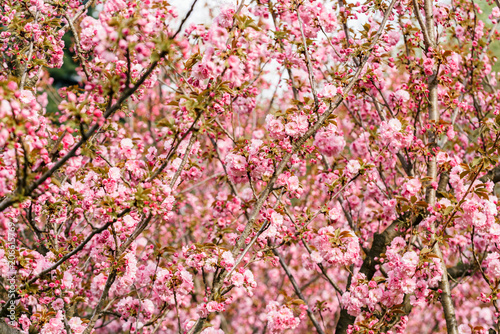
(64, 76)
(486, 9)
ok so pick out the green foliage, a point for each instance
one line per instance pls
(66, 75)
(495, 45)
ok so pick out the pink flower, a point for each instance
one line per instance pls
(410, 261)
(233, 61)
(249, 279)
(329, 91)
(352, 168)
(148, 307)
(395, 124)
(25, 322)
(236, 162)
(275, 127)
(73, 165)
(401, 96)
(212, 306)
(454, 60)
(114, 173)
(212, 330)
(276, 219)
(460, 32)
(26, 96)
(411, 188)
(225, 18)
(151, 153)
(58, 304)
(329, 141)
(5, 108)
(237, 279)
(495, 12)
(408, 285)
(76, 325)
(302, 123)
(280, 318)
(218, 36)
(126, 143)
(227, 259)
(392, 37)
(254, 146)
(54, 326)
(193, 173)
(237, 167)
(114, 5)
(429, 66)
(493, 265)
(188, 324)
(450, 133)
(292, 183)
(67, 280)
(204, 70)
(390, 135)
(465, 329)
(129, 222)
(442, 157)
(343, 250)
(68, 141)
(334, 214)
(479, 219)
(316, 257)
(291, 129)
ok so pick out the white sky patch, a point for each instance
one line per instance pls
(201, 11)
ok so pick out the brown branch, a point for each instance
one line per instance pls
(422, 25)
(174, 148)
(308, 61)
(298, 292)
(79, 248)
(183, 163)
(104, 296)
(185, 19)
(446, 298)
(493, 175)
(6, 329)
(444, 285)
(84, 9)
(134, 234)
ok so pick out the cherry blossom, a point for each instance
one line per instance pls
(285, 167)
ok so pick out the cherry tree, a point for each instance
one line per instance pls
(294, 166)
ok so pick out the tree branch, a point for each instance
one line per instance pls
(6, 329)
(298, 292)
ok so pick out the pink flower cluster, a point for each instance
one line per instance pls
(297, 126)
(335, 247)
(280, 318)
(245, 279)
(329, 140)
(492, 263)
(275, 127)
(236, 167)
(406, 275)
(393, 135)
